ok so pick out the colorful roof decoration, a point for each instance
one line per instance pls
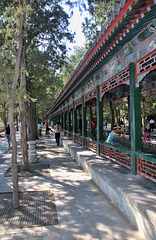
(129, 18)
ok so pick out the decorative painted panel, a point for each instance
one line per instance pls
(78, 93)
(116, 71)
(132, 51)
(70, 100)
(148, 43)
(90, 84)
(98, 78)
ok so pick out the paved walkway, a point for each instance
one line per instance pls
(3, 143)
(84, 211)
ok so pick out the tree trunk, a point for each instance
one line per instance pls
(31, 116)
(32, 127)
(14, 166)
(11, 94)
(24, 147)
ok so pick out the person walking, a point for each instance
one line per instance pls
(152, 124)
(39, 129)
(57, 129)
(80, 125)
(47, 128)
(147, 132)
(94, 125)
(7, 133)
(105, 122)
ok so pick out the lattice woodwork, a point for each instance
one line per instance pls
(78, 139)
(66, 109)
(114, 81)
(78, 102)
(70, 135)
(119, 101)
(90, 145)
(115, 155)
(148, 93)
(70, 106)
(146, 168)
(147, 63)
(90, 95)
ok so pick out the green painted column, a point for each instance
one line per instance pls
(90, 120)
(83, 121)
(62, 120)
(74, 121)
(111, 115)
(129, 114)
(68, 121)
(78, 117)
(135, 118)
(99, 105)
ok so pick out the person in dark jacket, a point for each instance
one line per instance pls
(7, 133)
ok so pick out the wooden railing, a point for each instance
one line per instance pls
(116, 154)
(146, 165)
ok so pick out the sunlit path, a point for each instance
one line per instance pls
(83, 211)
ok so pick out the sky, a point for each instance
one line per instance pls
(76, 26)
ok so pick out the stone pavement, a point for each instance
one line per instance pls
(83, 210)
(3, 143)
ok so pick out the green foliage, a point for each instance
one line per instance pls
(51, 83)
(3, 106)
(43, 84)
(99, 14)
(148, 107)
(71, 63)
(44, 26)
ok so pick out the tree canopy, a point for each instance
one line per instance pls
(99, 10)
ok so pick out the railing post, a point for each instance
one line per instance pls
(135, 118)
